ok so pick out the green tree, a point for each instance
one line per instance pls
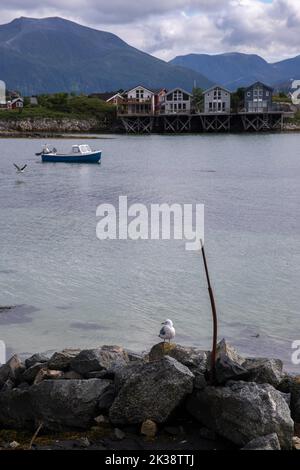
(238, 100)
(198, 99)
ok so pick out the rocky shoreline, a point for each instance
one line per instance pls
(60, 127)
(38, 127)
(111, 398)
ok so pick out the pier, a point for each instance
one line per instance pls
(202, 122)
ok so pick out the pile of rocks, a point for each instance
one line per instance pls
(253, 403)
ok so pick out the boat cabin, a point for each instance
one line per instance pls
(81, 149)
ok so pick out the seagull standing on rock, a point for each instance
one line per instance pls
(167, 331)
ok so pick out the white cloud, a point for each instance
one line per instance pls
(167, 28)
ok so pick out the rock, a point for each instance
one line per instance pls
(133, 356)
(227, 369)
(264, 370)
(193, 358)
(62, 360)
(107, 398)
(242, 411)
(8, 385)
(11, 370)
(30, 374)
(224, 348)
(44, 374)
(229, 364)
(296, 443)
(152, 393)
(119, 434)
(72, 375)
(83, 442)
(64, 404)
(200, 380)
(269, 442)
(207, 434)
(149, 428)
(97, 374)
(291, 384)
(101, 419)
(16, 409)
(14, 444)
(122, 374)
(40, 358)
(174, 430)
(90, 360)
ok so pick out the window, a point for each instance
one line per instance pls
(139, 94)
(210, 105)
(177, 95)
(248, 94)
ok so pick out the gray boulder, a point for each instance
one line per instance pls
(62, 360)
(153, 392)
(30, 374)
(264, 370)
(92, 360)
(269, 442)
(41, 358)
(122, 374)
(193, 358)
(242, 411)
(291, 384)
(229, 364)
(58, 404)
(64, 404)
(227, 369)
(12, 370)
(16, 409)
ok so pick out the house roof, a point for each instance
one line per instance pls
(104, 96)
(259, 83)
(120, 95)
(140, 86)
(17, 99)
(217, 86)
(178, 88)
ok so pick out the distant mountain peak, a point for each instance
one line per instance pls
(236, 69)
(43, 55)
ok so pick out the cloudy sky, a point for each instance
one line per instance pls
(166, 28)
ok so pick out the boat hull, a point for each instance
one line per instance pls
(94, 157)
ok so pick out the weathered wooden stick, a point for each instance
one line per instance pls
(35, 436)
(214, 315)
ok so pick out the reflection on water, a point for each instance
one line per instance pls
(86, 292)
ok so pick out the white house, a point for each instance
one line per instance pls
(139, 100)
(217, 99)
(295, 92)
(177, 101)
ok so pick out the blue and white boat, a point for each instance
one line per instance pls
(79, 154)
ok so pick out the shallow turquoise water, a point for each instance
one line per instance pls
(79, 291)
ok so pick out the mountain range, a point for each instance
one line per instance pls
(53, 54)
(234, 70)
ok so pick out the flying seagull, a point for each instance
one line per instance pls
(167, 331)
(20, 169)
